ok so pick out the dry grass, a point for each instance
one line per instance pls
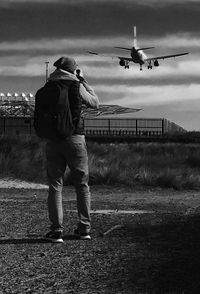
(169, 165)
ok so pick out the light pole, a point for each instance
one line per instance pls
(47, 69)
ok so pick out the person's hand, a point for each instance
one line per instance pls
(79, 75)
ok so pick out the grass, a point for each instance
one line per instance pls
(168, 165)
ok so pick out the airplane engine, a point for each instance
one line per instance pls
(156, 63)
(122, 62)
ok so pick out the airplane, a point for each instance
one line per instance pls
(138, 56)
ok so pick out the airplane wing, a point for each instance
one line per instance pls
(166, 56)
(119, 57)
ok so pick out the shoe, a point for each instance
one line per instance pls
(82, 236)
(54, 237)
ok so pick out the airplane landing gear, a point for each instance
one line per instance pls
(149, 66)
(126, 65)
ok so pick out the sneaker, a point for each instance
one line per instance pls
(82, 236)
(54, 237)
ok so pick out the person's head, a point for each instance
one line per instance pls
(66, 63)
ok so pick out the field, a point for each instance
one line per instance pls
(149, 165)
(145, 232)
(154, 249)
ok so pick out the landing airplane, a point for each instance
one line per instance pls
(138, 56)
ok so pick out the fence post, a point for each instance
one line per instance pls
(30, 127)
(4, 125)
(109, 126)
(136, 127)
(163, 127)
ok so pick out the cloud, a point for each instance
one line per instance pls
(29, 70)
(74, 2)
(163, 2)
(9, 2)
(141, 96)
(168, 69)
(64, 43)
(122, 86)
(101, 44)
(106, 69)
(184, 40)
(22, 66)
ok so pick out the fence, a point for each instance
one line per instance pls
(124, 127)
(98, 126)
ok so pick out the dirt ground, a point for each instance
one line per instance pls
(143, 241)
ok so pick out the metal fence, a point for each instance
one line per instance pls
(99, 126)
(124, 127)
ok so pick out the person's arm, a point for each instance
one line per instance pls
(88, 95)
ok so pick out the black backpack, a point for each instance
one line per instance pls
(52, 114)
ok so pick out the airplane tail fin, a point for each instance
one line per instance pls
(135, 41)
(135, 37)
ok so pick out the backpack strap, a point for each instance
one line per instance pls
(64, 94)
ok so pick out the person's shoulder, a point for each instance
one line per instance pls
(75, 84)
(69, 83)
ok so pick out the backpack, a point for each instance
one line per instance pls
(52, 114)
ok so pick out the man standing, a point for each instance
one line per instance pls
(71, 151)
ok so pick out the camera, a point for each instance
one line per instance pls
(79, 75)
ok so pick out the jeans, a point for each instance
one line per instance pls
(72, 152)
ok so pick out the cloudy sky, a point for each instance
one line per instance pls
(35, 31)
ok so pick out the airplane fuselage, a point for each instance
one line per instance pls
(137, 56)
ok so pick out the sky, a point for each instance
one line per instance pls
(35, 31)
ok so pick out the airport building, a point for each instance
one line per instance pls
(16, 118)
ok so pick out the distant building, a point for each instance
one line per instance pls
(16, 117)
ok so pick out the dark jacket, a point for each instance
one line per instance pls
(75, 104)
(79, 93)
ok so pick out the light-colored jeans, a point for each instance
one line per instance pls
(72, 152)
